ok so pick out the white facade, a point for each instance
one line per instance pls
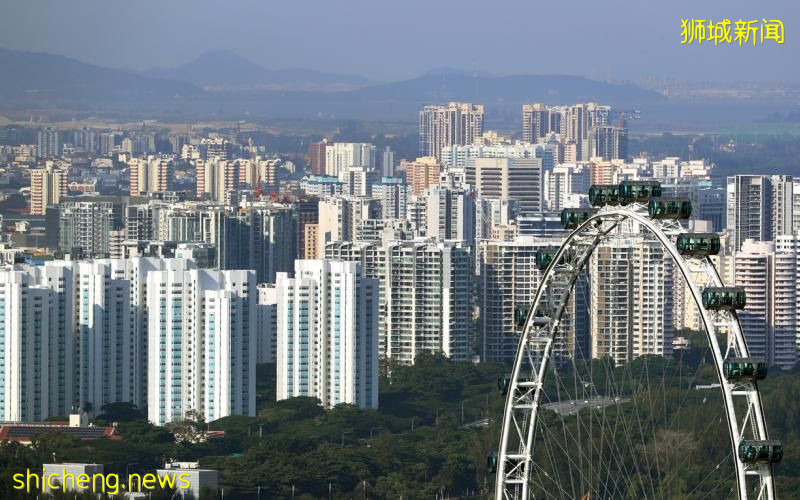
(357, 180)
(134, 271)
(631, 284)
(759, 207)
(493, 213)
(443, 126)
(459, 155)
(687, 314)
(340, 155)
(796, 206)
(105, 343)
(340, 218)
(394, 197)
(201, 344)
(267, 323)
(25, 346)
(509, 279)
(788, 270)
(519, 179)
(89, 345)
(768, 273)
(450, 214)
(427, 300)
(562, 182)
(328, 334)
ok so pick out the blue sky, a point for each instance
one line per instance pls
(602, 39)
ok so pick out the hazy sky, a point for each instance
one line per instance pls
(617, 39)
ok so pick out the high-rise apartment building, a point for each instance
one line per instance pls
(216, 148)
(85, 139)
(202, 344)
(267, 317)
(139, 222)
(106, 346)
(421, 174)
(107, 143)
(563, 183)
(217, 178)
(84, 335)
(385, 162)
(427, 300)
(608, 143)
(307, 214)
(769, 278)
(358, 180)
(340, 218)
(261, 237)
(686, 313)
(27, 324)
(327, 342)
(578, 123)
(460, 155)
(393, 195)
(85, 225)
(258, 172)
(708, 201)
(536, 122)
(760, 207)
(49, 143)
(492, 214)
(519, 179)
(796, 206)
(450, 214)
(603, 172)
(341, 155)
(151, 174)
(310, 242)
(509, 279)
(316, 156)
(787, 248)
(631, 289)
(443, 126)
(48, 187)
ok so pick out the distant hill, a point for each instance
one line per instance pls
(223, 85)
(550, 89)
(226, 70)
(503, 96)
(47, 79)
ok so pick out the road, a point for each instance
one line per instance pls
(571, 407)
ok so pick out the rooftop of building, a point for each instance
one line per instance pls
(24, 432)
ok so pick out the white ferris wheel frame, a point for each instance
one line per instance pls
(538, 337)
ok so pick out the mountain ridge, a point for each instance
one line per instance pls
(226, 70)
(43, 81)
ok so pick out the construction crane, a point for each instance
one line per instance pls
(624, 116)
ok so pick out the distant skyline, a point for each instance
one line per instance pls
(608, 40)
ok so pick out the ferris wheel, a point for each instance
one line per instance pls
(576, 426)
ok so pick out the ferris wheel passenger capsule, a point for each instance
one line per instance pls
(638, 191)
(745, 369)
(669, 208)
(698, 244)
(760, 452)
(601, 195)
(724, 298)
